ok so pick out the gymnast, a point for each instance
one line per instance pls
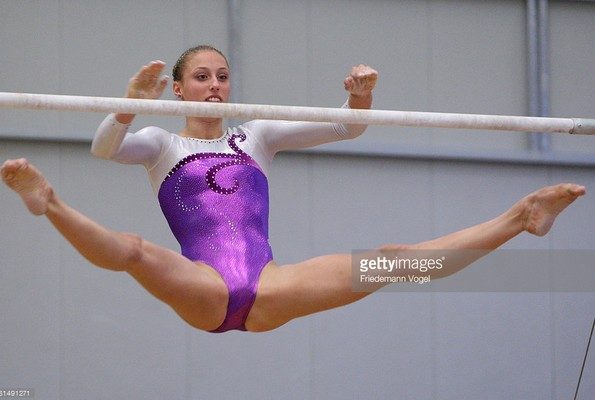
(212, 187)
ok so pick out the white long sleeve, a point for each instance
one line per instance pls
(112, 141)
(159, 151)
(288, 135)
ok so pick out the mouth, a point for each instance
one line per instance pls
(214, 99)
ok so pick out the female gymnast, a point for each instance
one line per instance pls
(212, 187)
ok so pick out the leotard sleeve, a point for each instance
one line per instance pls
(275, 136)
(112, 141)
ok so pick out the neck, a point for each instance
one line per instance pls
(203, 128)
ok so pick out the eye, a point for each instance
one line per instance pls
(223, 77)
(202, 77)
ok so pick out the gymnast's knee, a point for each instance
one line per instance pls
(132, 251)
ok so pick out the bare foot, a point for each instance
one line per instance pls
(543, 206)
(28, 182)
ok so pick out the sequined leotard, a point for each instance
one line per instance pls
(214, 193)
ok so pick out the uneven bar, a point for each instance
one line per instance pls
(579, 126)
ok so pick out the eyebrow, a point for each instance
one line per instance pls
(208, 69)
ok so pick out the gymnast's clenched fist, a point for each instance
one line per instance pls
(361, 80)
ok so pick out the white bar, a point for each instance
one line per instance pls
(292, 113)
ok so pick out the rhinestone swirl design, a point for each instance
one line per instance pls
(238, 158)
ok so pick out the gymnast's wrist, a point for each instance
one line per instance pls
(360, 100)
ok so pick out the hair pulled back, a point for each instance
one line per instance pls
(178, 68)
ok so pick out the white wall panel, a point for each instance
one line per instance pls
(30, 52)
(70, 330)
(572, 56)
(31, 295)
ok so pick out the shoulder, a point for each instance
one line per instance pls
(260, 124)
(154, 133)
(251, 126)
(265, 127)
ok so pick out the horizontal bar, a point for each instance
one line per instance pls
(293, 113)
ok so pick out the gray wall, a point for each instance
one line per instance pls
(70, 330)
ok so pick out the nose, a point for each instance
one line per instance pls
(214, 84)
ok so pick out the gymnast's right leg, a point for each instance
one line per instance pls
(194, 290)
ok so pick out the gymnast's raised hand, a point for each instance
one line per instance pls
(212, 185)
(147, 83)
(361, 80)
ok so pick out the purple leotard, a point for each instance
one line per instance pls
(217, 206)
(214, 193)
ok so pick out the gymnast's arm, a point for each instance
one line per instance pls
(113, 141)
(283, 135)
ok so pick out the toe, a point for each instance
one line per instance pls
(12, 165)
(578, 190)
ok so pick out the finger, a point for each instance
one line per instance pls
(162, 84)
(358, 69)
(151, 71)
(366, 76)
(363, 70)
(348, 82)
(141, 76)
(155, 67)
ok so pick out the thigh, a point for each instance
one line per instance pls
(296, 290)
(193, 289)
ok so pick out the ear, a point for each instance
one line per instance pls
(177, 89)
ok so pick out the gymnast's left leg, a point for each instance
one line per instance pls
(325, 282)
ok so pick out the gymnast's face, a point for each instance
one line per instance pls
(205, 77)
